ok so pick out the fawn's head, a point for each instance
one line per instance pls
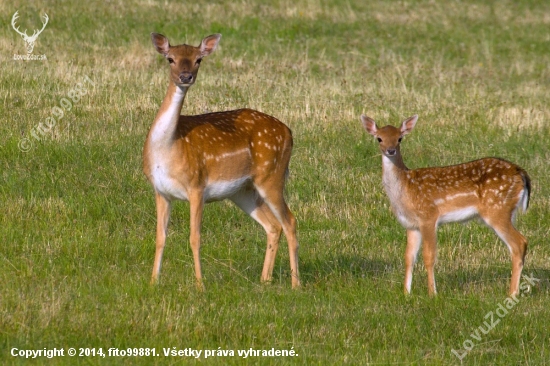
(389, 137)
(184, 59)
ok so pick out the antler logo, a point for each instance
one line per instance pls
(29, 40)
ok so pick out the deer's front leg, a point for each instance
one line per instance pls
(429, 252)
(196, 203)
(163, 216)
(414, 240)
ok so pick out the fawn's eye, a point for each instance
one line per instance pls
(198, 62)
(379, 139)
(171, 60)
(401, 138)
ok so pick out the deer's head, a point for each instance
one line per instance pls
(184, 59)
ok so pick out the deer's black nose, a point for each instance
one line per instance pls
(391, 152)
(186, 77)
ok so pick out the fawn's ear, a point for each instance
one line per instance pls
(369, 125)
(209, 44)
(408, 125)
(161, 43)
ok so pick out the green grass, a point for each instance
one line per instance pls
(77, 215)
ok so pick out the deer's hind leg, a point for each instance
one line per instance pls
(501, 223)
(250, 202)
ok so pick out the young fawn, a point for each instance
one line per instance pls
(490, 188)
(242, 155)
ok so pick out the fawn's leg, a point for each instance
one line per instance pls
(429, 253)
(414, 240)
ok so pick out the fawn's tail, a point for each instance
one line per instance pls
(524, 201)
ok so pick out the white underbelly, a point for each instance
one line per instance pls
(222, 189)
(214, 191)
(460, 215)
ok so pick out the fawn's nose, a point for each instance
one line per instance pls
(391, 152)
(186, 78)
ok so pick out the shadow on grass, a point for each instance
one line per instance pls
(348, 266)
(468, 280)
(478, 279)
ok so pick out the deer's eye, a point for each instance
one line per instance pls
(171, 60)
(401, 138)
(198, 62)
(379, 139)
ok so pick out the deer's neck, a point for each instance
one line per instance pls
(166, 121)
(394, 174)
(393, 166)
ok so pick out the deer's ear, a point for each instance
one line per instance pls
(408, 125)
(161, 43)
(369, 125)
(209, 44)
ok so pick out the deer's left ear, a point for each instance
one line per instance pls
(369, 125)
(408, 125)
(209, 44)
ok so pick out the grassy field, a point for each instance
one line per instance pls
(77, 215)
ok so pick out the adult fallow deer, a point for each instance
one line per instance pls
(242, 155)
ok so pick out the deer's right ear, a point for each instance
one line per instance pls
(161, 43)
(369, 125)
